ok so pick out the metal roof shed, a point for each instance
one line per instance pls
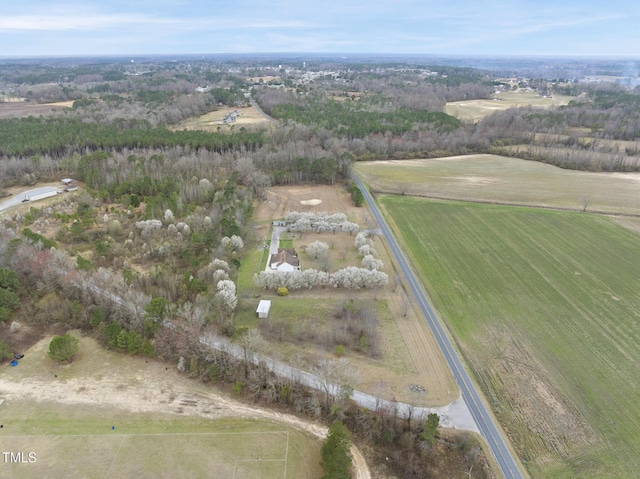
(263, 308)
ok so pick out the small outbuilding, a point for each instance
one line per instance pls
(263, 308)
(69, 184)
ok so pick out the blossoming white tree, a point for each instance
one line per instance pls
(318, 249)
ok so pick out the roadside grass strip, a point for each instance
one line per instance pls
(237, 455)
(545, 308)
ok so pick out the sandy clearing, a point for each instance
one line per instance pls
(280, 199)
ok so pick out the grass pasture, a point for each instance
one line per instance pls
(73, 443)
(544, 306)
(499, 179)
(165, 425)
(302, 328)
(476, 110)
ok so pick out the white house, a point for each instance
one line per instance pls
(263, 308)
(285, 260)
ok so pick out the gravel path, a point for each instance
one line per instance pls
(455, 415)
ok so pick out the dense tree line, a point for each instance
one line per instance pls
(9, 299)
(60, 137)
(352, 121)
(599, 131)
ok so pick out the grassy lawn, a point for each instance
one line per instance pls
(499, 179)
(292, 309)
(78, 442)
(76, 433)
(544, 306)
(253, 260)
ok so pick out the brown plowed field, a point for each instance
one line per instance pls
(20, 109)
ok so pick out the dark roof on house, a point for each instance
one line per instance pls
(285, 255)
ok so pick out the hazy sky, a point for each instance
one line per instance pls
(489, 27)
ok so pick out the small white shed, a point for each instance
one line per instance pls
(263, 308)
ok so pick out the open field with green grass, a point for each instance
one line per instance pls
(544, 306)
(476, 110)
(74, 442)
(499, 179)
(112, 415)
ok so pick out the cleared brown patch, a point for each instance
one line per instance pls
(214, 121)
(333, 199)
(524, 389)
(21, 109)
(110, 381)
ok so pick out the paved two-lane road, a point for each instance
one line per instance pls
(470, 395)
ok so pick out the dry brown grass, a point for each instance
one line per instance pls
(503, 180)
(213, 121)
(21, 109)
(64, 414)
(476, 110)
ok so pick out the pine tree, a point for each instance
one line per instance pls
(336, 458)
(122, 340)
(63, 348)
(134, 342)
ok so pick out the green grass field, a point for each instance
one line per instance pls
(78, 442)
(545, 307)
(500, 179)
(69, 426)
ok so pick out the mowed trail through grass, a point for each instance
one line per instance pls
(544, 306)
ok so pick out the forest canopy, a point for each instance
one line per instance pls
(63, 136)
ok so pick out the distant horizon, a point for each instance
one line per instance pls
(497, 28)
(340, 55)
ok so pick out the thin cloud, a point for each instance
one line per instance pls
(400, 26)
(105, 21)
(76, 22)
